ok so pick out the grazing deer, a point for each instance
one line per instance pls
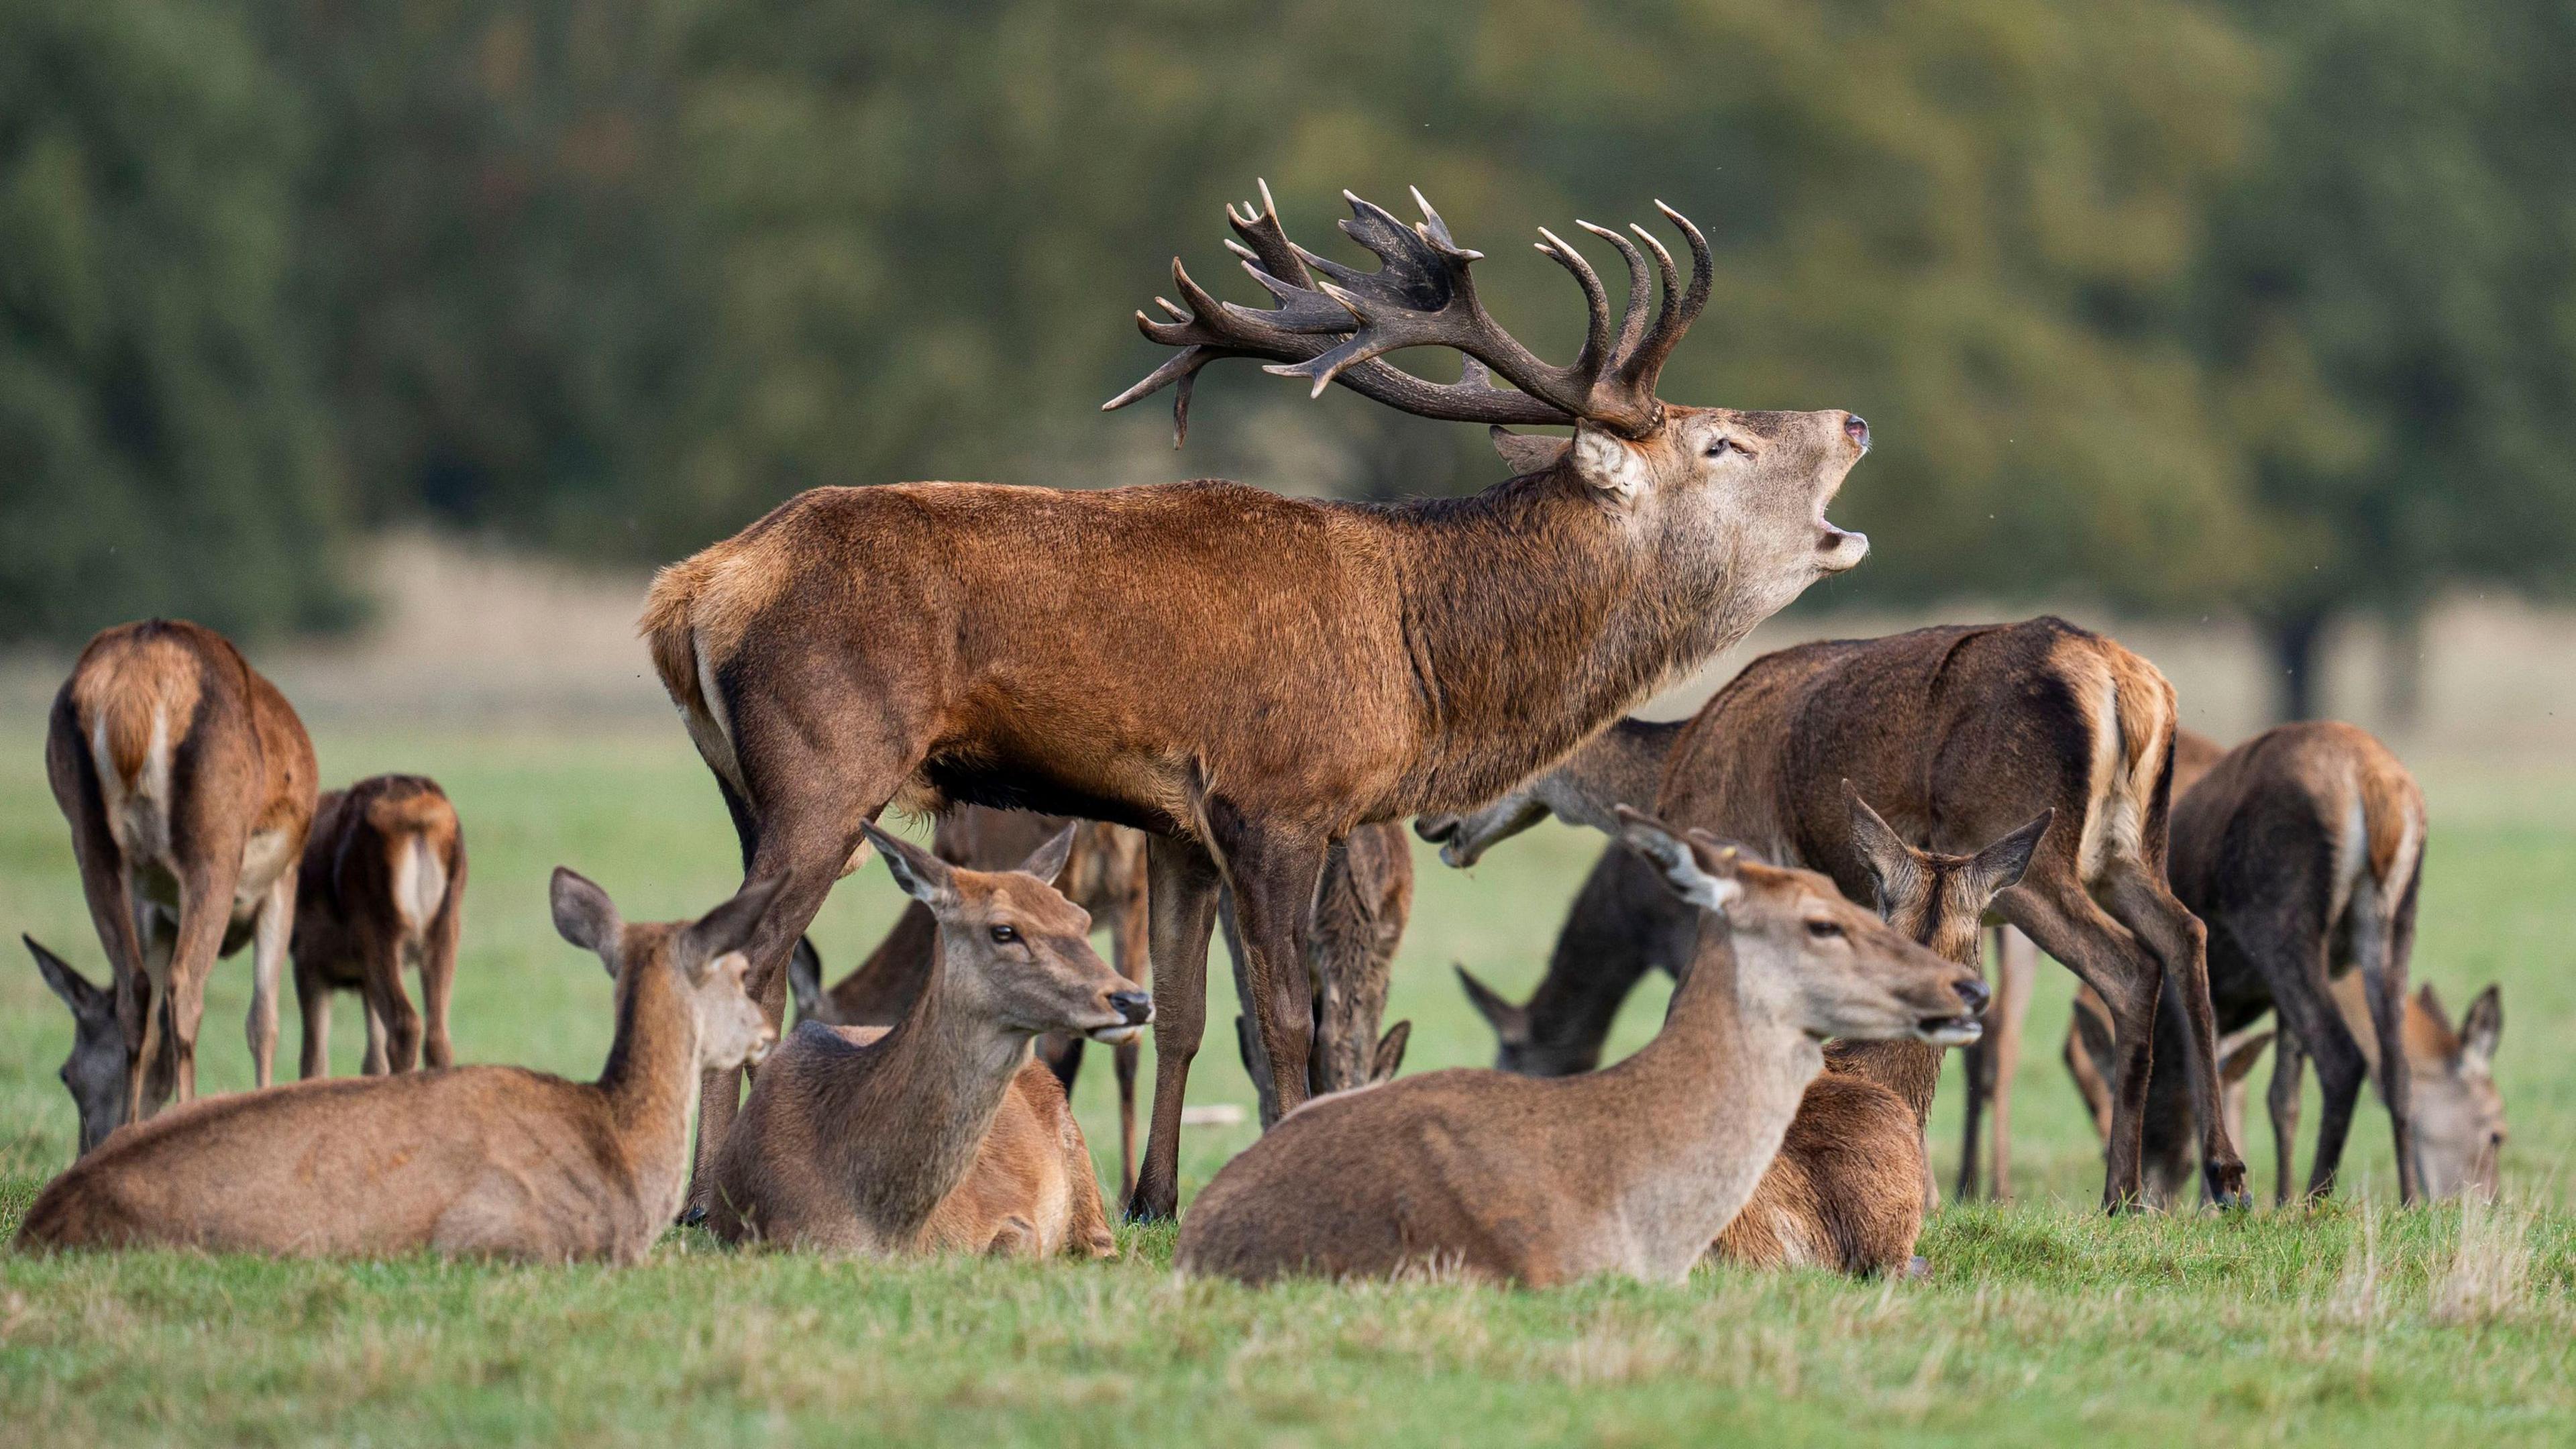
(1960, 734)
(1361, 906)
(476, 1161)
(1853, 1182)
(1104, 875)
(382, 887)
(2168, 1148)
(2303, 849)
(1994, 1060)
(1245, 676)
(188, 782)
(1634, 1169)
(852, 1141)
(95, 1071)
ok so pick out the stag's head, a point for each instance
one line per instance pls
(1742, 492)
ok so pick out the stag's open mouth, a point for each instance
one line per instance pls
(1949, 1030)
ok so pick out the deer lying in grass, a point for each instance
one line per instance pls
(1248, 677)
(1631, 1170)
(481, 1161)
(382, 887)
(882, 1142)
(1961, 734)
(188, 782)
(1852, 1183)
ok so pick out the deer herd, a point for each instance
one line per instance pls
(1154, 710)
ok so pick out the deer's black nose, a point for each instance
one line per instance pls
(1973, 994)
(1132, 1006)
(1856, 428)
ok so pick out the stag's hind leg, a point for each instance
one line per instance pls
(2138, 899)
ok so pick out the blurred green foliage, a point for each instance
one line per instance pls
(2179, 305)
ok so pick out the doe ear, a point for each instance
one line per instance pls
(1509, 1022)
(1890, 860)
(1047, 861)
(2238, 1062)
(1999, 866)
(805, 980)
(1607, 462)
(1525, 453)
(88, 1002)
(2480, 1029)
(584, 915)
(1708, 881)
(2429, 1002)
(1389, 1057)
(727, 928)
(923, 876)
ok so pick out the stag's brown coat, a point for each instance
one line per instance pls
(382, 886)
(189, 785)
(487, 1161)
(1247, 676)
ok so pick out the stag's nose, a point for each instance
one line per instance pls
(1856, 428)
(1133, 1007)
(1973, 995)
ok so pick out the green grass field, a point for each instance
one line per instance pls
(2042, 1323)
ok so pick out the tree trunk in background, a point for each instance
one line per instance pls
(2295, 639)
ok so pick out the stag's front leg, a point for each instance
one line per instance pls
(1180, 896)
(1273, 875)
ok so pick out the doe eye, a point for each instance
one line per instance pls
(1824, 930)
(1005, 935)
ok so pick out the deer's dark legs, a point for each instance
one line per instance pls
(2062, 920)
(1273, 876)
(2140, 901)
(1180, 896)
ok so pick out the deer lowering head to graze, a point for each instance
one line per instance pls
(188, 782)
(1622, 765)
(1633, 1169)
(94, 1073)
(1961, 735)
(382, 887)
(852, 1139)
(474, 1161)
(1853, 1180)
(2303, 849)
(1250, 677)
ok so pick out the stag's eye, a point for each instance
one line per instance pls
(1722, 446)
(1824, 930)
(1005, 935)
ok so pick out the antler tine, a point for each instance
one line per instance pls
(1646, 364)
(1588, 363)
(1632, 323)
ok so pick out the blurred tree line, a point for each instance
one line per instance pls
(2186, 306)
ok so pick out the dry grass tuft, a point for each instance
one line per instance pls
(2489, 1274)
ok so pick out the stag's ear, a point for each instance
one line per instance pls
(1891, 861)
(1510, 1023)
(1047, 861)
(725, 930)
(2479, 1031)
(1389, 1057)
(585, 916)
(1999, 866)
(924, 877)
(1705, 879)
(1608, 462)
(88, 1002)
(805, 980)
(1525, 453)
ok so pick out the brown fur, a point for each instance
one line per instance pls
(485, 1161)
(852, 1140)
(1846, 1191)
(1629, 1170)
(189, 786)
(1361, 906)
(383, 886)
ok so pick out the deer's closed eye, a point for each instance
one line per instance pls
(1824, 930)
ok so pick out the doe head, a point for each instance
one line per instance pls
(2459, 1113)
(706, 956)
(95, 1071)
(1939, 900)
(1013, 949)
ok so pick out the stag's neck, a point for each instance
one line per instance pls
(1535, 613)
(651, 1080)
(1719, 1086)
(1910, 1069)
(915, 1107)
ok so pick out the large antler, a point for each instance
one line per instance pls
(1336, 326)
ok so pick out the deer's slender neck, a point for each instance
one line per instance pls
(1624, 765)
(1534, 612)
(650, 1080)
(915, 1106)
